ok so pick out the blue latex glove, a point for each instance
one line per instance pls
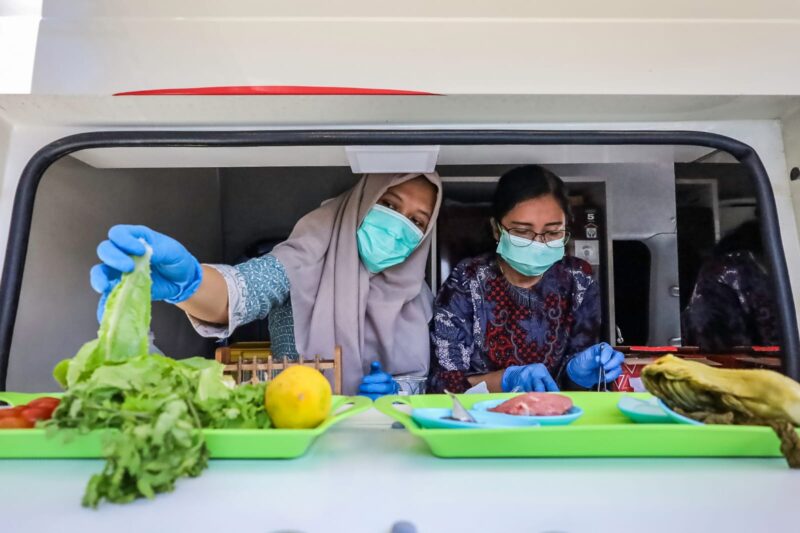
(529, 378)
(175, 272)
(584, 367)
(378, 383)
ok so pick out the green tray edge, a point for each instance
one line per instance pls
(700, 441)
(249, 444)
(386, 405)
(21, 398)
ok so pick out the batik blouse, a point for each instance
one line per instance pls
(731, 305)
(483, 323)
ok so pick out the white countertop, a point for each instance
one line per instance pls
(364, 476)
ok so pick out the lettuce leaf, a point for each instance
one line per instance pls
(126, 321)
(124, 330)
(157, 405)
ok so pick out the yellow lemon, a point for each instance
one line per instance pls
(298, 398)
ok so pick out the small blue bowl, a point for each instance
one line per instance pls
(680, 419)
(569, 417)
(436, 418)
(643, 411)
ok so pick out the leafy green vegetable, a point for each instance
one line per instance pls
(154, 405)
(153, 402)
(243, 409)
(123, 331)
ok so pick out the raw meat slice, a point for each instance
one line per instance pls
(535, 404)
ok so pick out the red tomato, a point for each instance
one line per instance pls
(11, 412)
(33, 414)
(15, 422)
(45, 402)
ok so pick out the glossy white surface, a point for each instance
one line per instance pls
(364, 476)
(449, 46)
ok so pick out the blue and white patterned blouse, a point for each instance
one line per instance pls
(256, 289)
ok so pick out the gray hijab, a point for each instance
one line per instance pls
(336, 301)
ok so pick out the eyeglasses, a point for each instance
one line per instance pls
(551, 239)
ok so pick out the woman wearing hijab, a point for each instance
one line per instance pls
(525, 317)
(352, 273)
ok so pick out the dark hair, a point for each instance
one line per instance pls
(524, 183)
(747, 236)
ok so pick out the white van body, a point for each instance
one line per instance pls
(730, 68)
(715, 67)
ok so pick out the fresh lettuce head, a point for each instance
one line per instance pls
(124, 330)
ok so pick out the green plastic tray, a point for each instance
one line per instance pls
(602, 431)
(222, 443)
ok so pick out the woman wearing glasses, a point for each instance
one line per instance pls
(526, 317)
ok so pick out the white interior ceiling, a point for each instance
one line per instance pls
(283, 156)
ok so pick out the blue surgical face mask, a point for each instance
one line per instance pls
(386, 238)
(531, 258)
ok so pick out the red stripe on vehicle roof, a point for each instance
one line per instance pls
(272, 90)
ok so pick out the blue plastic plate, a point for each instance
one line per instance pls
(557, 420)
(680, 419)
(436, 418)
(643, 411)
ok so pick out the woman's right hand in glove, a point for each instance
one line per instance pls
(175, 272)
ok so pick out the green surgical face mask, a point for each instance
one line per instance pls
(386, 238)
(531, 258)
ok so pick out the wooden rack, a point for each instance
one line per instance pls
(255, 359)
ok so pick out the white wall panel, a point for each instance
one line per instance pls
(791, 145)
(74, 208)
(451, 47)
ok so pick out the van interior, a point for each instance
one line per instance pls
(645, 220)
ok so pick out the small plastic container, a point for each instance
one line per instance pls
(411, 385)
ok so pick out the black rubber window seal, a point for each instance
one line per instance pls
(22, 213)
